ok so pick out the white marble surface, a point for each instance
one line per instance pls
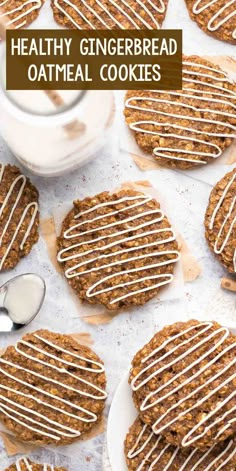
(118, 341)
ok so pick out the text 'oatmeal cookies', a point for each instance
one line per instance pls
(117, 249)
(220, 221)
(20, 13)
(215, 17)
(19, 216)
(110, 14)
(25, 464)
(52, 389)
(189, 127)
(146, 451)
(183, 383)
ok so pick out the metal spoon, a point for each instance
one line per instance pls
(21, 299)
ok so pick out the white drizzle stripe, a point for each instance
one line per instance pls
(24, 461)
(163, 345)
(61, 370)
(214, 151)
(39, 401)
(100, 368)
(23, 180)
(219, 250)
(149, 454)
(184, 441)
(187, 381)
(75, 270)
(200, 7)
(34, 429)
(41, 391)
(36, 4)
(73, 432)
(216, 421)
(204, 327)
(22, 417)
(135, 452)
(140, 447)
(123, 7)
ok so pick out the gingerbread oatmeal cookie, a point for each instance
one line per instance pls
(146, 451)
(109, 14)
(220, 221)
(217, 18)
(190, 127)
(52, 389)
(25, 464)
(117, 249)
(183, 383)
(19, 216)
(20, 13)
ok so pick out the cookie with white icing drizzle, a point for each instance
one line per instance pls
(20, 13)
(117, 249)
(25, 464)
(52, 389)
(189, 127)
(183, 383)
(220, 221)
(19, 216)
(215, 17)
(146, 451)
(110, 14)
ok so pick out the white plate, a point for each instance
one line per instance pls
(121, 416)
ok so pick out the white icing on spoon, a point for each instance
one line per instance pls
(21, 299)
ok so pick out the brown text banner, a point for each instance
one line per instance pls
(94, 60)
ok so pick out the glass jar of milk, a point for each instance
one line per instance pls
(51, 135)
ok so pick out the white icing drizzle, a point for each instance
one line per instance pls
(210, 340)
(33, 5)
(25, 461)
(23, 180)
(123, 7)
(141, 445)
(29, 417)
(76, 270)
(218, 249)
(215, 22)
(216, 97)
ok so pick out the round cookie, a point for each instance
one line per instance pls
(52, 389)
(220, 221)
(110, 14)
(217, 17)
(183, 383)
(146, 451)
(25, 464)
(20, 13)
(117, 249)
(19, 216)
(190, 127)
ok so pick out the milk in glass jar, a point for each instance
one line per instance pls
(52, 133)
